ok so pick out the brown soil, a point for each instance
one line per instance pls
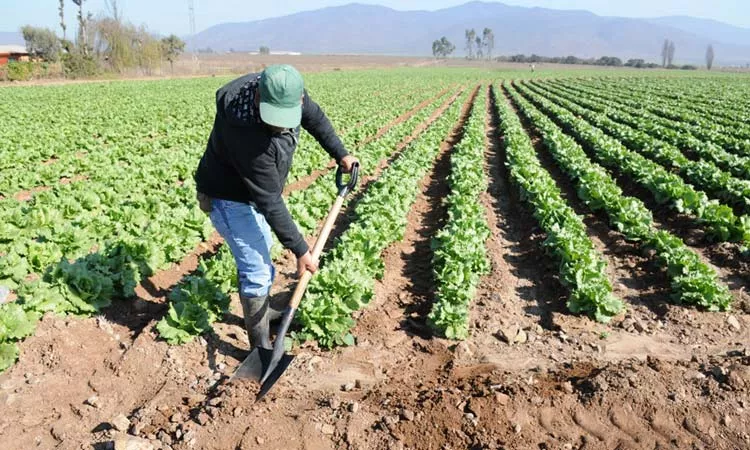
(676, 378)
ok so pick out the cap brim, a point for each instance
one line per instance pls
(281, 117)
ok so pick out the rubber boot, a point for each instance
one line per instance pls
(255, 311)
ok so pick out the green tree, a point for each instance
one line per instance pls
(41, 43)
(61, 12)
(670, 53)
(83, 38)
(480, 52)
(710, 57)
(488, 41)
(470, 36)
(665, 53)
(172, 47)
(264, 50)
(442, 47)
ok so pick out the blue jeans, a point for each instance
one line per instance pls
(248, 235)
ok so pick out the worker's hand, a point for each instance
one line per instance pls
(306, 263)
(347, 162)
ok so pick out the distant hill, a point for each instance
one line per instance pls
(11, 38)
(369, 29)
(710, 29)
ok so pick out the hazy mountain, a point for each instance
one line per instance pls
(11, 38)
(708, 28)
(369, 29)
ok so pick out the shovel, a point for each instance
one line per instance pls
(267, 366)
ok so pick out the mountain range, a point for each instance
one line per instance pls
(370, 29)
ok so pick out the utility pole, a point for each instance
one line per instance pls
(191, 9)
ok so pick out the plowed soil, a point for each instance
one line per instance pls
(532, 375)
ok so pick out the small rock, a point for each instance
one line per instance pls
(517, 428)
(407, 415)
(348, 387)
(726, 420)
(538, 329)
(627, 324)
(353, 407)
(260, 440)
(237, 412)
(127, 442)
(92, 401)
(639, 326)
(521, 337)
(672, 396)
(508, 334)
(221, 366)
(176, 418)
(327, 429)
(334, 403)
(718, 372)
(733, 323)
(202, 418)
(501, 398)
(164, 437)
(470, 416)
(568, 387)
(568, 447)
(121, 423)
(216, 401)
(738, 377)
(358, 384)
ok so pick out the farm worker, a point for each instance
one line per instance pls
(242, 173)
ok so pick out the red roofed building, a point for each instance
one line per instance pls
(10, 53)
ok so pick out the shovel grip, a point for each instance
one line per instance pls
(299, 291)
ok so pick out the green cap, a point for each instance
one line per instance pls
(281, 89)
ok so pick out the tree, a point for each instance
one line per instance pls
(264, 50)
(480, 52)
(171, 47)
(665, 52)
(488, 40)
(710, 56)
(83, 40)
(670, 53)
(470, 36)
(61, 11)
(442, 47)
(41, 43)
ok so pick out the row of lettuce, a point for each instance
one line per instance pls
(74, 248)
(565, 117)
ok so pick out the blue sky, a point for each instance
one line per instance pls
(171, 16)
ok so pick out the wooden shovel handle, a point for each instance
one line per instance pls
(299, 291)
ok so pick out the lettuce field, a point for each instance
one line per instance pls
(532, 260)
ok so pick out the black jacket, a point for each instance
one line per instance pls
(245, 162)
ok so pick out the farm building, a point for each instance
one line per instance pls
(12, 53)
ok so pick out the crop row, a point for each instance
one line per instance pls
(702, 174)
(666, 187)
(736, 164)
(346, 281)
(701, 139)
(460, 251)
(692, 281)
(582, 267)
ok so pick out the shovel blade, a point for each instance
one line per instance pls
(273, 376)
(255, 365)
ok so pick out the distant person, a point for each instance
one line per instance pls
(532, 68)
(242, 174)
